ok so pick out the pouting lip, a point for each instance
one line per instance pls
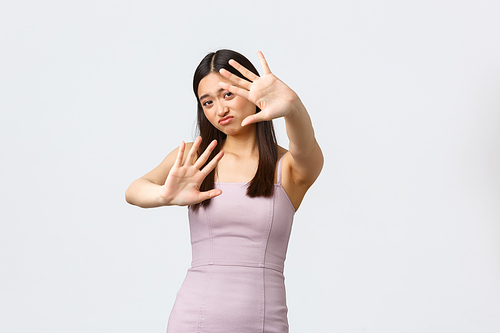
(225, 118)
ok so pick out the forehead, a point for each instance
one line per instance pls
(209, 85)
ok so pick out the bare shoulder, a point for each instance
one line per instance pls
(281, 154)
(295, 179)
(281, 151)
(159, 174)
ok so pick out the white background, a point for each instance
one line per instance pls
(399, 234)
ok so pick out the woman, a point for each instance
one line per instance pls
(242, 190)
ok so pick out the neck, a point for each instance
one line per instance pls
(243, 144)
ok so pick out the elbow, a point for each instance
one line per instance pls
(321, 160)
(129, 195)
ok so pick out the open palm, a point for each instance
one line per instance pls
(270, 94)
(182, 186)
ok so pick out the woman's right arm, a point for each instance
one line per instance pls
(177, 180)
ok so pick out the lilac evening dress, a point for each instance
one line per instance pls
(236, 283)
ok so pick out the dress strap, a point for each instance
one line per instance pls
(279, 169)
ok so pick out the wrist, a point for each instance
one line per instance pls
(163, 199)
(296, 108)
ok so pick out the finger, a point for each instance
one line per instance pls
(180, 155)
(209, 194)
(235, 90)
(192, 151)
(215, 192)
(235, 79)
(263, 63)
(206, 154)
(255, 118)
(245, 72)
(212, 164)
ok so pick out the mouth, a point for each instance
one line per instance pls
(225, 120)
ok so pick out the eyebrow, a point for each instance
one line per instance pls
(206, 95)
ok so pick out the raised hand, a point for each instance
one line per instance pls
(270, 94)
(182, 186)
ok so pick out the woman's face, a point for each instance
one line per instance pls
(222, 108)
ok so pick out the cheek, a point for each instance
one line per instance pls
(244, 104)
(207, 115)
(210, 116)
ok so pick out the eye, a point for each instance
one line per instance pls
(228, 95)
(207, 103)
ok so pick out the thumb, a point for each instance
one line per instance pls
(255, 118)
(210, 194)
(215, 192)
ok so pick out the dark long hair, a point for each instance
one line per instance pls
(263, 182)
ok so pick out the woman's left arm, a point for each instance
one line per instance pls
(276, 99)
(306, 158)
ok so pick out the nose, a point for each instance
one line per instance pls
(223, 110)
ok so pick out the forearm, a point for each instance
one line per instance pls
(145, 194)
(300, 131)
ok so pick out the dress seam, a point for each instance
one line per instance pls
(202, 305)
(271, 221)
(249, 265)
